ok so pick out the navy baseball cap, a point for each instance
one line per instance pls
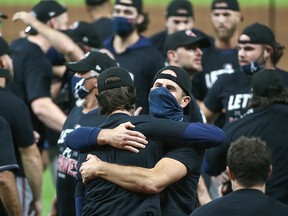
(258, 34)
(184, 38)
(267, 83)
(182, 8)
(84, 33)
(121, 73)
(225, 4)
(93, 60)
(134, 3)
(95, 2)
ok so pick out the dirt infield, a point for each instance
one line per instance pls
(202, 15)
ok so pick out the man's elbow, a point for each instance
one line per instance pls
(151, 187)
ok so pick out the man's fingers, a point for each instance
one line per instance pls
(136, 135)
(130, 148)
(128, 125)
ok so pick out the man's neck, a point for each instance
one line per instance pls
(90, 103)
(230, 43)
(236, 186)
(120, 44)
(122, 111)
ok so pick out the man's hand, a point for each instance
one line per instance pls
(35, 208)
(26, 17)
(89, 168)
(123, 138)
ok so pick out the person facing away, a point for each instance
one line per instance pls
(249, 168)
(267, 121)
(117, 100)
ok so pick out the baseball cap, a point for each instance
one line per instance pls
(3, 16)
(134, 3)
(93, 60)
(85, 33)
(121, 73)
(44, 11)
(182, 77)
(184, 38)
(180, 8)
(95, 2)
(225, 4)
(267, 83)
(258, 34)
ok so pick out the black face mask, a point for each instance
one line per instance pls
(122, 26)
(251, 68)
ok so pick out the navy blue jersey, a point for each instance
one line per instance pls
(67, 164)
(100, 195)
(143, 61)
(231, 92)
(7, 155)
(243, 202)
(271, 125)
(32, 77)
(215, 62)
(15, 111)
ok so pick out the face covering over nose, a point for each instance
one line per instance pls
(122, 26)
(164, 105)
(78, 87)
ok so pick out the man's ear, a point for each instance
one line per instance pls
(140, 19)
(268, 52)
(230, 173)
(185, 101)
(171, 55)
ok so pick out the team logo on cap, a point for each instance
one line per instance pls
(190, 33)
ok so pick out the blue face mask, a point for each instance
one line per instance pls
(164, 105)
(78, 87)
(122, 26)
(251, 68)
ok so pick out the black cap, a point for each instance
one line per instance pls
(267, 83)
(225, 4)
(182, 77)
(95, 2)
(134, 3)
(93, 60)
(181, 8)
(84, 33)
(45, 10)
(3, 16)
(258, 34)
(121, 73)
(184, 38)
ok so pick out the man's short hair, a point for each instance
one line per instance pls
(249, 159)
(180, 8)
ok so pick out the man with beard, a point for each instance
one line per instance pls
(133, 51)
(222, 56)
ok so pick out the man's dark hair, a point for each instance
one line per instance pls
(142, 27)
(249, 159)
(278, 51)
(123, 98)
(257, 101)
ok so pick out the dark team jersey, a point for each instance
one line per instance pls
(231, 92)
(15, 111)
(271, 125)
(215, 62)
(67, 164)
(243, 202)
(159, 39)
(32, 77)
(101, 195)
(143, 61)
(104, 27)
(7, 155)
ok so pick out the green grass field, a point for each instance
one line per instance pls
(243, 3)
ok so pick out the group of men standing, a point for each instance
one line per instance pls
(113, 158)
